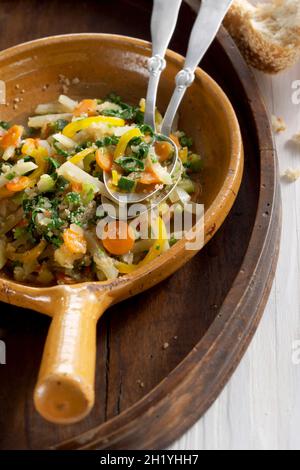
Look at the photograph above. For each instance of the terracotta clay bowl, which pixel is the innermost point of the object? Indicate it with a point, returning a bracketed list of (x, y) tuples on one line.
[(103, 63)]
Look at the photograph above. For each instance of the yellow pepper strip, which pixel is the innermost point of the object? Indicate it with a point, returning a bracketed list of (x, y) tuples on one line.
[(142, 105), (71, 129), (81, 155), (39, 155), (115, 177), (152, 254), (124, 141), (183, 154), (88, 161), (29, 146), (30, 255)]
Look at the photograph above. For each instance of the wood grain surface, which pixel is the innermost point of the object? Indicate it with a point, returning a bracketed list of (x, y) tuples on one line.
[(268, 377), (188, 311)]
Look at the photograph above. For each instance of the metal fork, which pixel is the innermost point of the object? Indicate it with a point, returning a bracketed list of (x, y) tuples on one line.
[(163, 23)]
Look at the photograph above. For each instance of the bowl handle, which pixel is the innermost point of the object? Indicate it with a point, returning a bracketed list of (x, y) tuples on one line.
[(65, 391)]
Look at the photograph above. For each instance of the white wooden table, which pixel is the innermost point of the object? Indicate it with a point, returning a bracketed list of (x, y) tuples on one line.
[(260, 406)]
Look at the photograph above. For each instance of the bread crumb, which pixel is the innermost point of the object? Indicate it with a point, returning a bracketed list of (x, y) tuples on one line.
[(166, 345), (75, 81), (17, 86), (296, 138), (175, 338), (291, 175), (140, 383), (15, 106), (278, 124)]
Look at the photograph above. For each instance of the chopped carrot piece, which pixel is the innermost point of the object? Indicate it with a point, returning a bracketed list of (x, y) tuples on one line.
[(86, 107), (75, 241), (18, 184), (118, 238), (164, 150), (12, 138), (104, 159), (175, 140), (76, 187), (149, 178)]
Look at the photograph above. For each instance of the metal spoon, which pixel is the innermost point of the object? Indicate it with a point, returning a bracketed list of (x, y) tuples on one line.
[(207, 24), (163, 23)]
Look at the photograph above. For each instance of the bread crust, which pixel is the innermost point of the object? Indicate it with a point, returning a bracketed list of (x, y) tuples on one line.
[(257, 46)]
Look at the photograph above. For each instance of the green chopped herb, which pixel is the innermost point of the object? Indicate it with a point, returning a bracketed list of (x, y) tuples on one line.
[(60, 151), (73, 198), (113, 98), (10, 176), (19, 232), (142, 151), (130, 164), (194, 163), (61, 184), (186, 141), (59, 125), (88, 193), (5, 125), (172, 241), (108, 140), (147, 130), (54, 163)]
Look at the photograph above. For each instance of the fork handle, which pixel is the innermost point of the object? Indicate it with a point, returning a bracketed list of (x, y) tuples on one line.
[(207, 24), (164, 19)]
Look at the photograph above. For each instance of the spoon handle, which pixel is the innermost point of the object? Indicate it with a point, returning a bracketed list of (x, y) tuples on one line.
[(208, 22), (164, 19)]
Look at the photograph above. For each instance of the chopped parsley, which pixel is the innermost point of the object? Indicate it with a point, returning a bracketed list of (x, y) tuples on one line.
[(108, 140), (5, 125)]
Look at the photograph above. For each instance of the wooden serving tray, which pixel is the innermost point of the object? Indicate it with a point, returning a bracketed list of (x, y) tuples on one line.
[(164, 356)]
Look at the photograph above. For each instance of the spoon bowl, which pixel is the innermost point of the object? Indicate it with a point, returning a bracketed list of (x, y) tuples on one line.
[(137, 198), (103, 63)]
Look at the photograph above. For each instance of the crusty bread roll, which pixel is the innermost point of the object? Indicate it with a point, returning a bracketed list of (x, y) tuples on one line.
[(267, 34)]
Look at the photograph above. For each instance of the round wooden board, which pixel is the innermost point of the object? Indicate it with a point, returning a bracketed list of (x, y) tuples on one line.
[(149, 394)]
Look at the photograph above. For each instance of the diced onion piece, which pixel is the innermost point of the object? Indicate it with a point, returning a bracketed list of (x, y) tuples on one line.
[(46, 184), (21, 168), (65, 141), (108, 105), (162, 173), (49, 108), (40, 121), (119, 131), (179, 194), (8, 153), (104, 263), (67, 103), (73, 173)]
